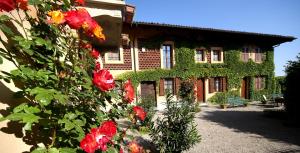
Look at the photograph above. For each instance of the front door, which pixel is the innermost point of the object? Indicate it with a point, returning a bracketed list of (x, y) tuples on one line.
[(245, 88), (148, 90), (200, 90)]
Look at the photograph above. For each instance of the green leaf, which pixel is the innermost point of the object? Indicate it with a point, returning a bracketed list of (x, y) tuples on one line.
[(111, 150), (25, 44), (20, 108), (40, 42), (70, 116), (4, 18), (44, 98), (1, 60), (53, 150), (67, 150), (29, 51), (31, 118), (35, 2), (68, 124), (32, 110), (27, 126), (39, 150), (6, 29)]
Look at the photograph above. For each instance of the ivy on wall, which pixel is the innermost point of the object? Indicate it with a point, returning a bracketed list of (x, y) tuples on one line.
[(232, 68)]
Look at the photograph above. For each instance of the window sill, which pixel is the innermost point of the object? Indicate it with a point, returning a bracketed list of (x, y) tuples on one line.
[(201, 61), (114, 62), (218, 62)]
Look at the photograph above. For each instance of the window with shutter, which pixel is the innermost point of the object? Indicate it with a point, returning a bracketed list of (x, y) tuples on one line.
[(245, 54), (259, 83), (211, 85), (169, 85), (177, 85), (224, 84), (161, 87), (258, 55)]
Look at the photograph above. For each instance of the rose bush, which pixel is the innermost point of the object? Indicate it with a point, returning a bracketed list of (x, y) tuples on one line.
[(66, 95)]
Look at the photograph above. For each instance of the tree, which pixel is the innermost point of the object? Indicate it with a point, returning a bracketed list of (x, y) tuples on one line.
[(291, 93)]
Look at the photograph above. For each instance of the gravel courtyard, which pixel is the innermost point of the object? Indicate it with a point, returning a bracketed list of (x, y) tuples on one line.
[(243, 130)]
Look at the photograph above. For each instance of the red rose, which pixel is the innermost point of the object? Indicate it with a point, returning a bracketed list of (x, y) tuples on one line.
[(74, 19), (134, 147), (94, 53), (99, 137), (103, 80), (121, 150), (97, 66), (108, 128), (89, 143), (85, 45), (139, 112), (22, 4), (129, 92), (7, 5), (79, 2)]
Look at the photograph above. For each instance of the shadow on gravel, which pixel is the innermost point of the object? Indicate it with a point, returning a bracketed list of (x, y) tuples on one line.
[(254, 122)]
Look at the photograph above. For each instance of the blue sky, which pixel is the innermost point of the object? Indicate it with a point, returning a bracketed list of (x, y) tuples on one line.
[(265, 16)]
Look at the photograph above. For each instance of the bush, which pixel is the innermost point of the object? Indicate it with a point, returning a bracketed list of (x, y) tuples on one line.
[(148, 103), (291, 93), (221, 97), (176, 131)]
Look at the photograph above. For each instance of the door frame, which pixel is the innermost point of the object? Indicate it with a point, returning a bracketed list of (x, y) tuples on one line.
[(154, 86), (203, 89), (245, 88)]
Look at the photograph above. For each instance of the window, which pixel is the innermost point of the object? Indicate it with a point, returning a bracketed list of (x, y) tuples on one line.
[(167, 56), (258, 55), (217, 84), (113, 56), (216, 55), (200, 56), (168, 85), (252, 52), (245, 54), (259, 83)]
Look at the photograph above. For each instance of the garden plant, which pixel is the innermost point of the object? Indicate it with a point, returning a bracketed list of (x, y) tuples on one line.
[(176, 131), (66, 97)]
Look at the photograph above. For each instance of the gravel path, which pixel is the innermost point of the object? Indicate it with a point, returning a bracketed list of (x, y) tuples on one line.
[(243, 130)]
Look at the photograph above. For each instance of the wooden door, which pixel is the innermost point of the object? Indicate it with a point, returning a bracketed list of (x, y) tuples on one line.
[(200, 90), (245, 88), (148, 90)]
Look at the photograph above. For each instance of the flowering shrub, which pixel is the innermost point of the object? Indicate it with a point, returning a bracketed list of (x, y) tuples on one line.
[(68, 98)]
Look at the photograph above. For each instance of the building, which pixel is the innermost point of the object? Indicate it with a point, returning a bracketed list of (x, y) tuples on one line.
[(159, 56)]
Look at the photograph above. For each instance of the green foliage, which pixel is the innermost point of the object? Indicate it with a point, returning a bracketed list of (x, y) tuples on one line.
[(232, 68), (279, 84), (186, 91), (148, 103), (291, 93), (219, 98), (176, 131)]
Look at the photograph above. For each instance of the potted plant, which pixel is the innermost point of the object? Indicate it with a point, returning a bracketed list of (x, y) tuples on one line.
[(224, 104)]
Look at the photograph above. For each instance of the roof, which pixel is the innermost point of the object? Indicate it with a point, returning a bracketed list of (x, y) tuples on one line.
[(284, 38)]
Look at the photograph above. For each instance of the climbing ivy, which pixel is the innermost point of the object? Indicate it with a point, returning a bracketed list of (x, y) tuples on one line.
[(232, 68)]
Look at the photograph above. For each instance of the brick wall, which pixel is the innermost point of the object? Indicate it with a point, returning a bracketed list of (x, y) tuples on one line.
[(127, 65), (150, 59)]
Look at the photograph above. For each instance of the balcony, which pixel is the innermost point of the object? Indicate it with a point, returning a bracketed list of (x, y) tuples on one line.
[(110, 14)]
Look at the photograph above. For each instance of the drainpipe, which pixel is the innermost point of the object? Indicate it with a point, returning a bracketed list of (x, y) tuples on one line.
[(134, 64)]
